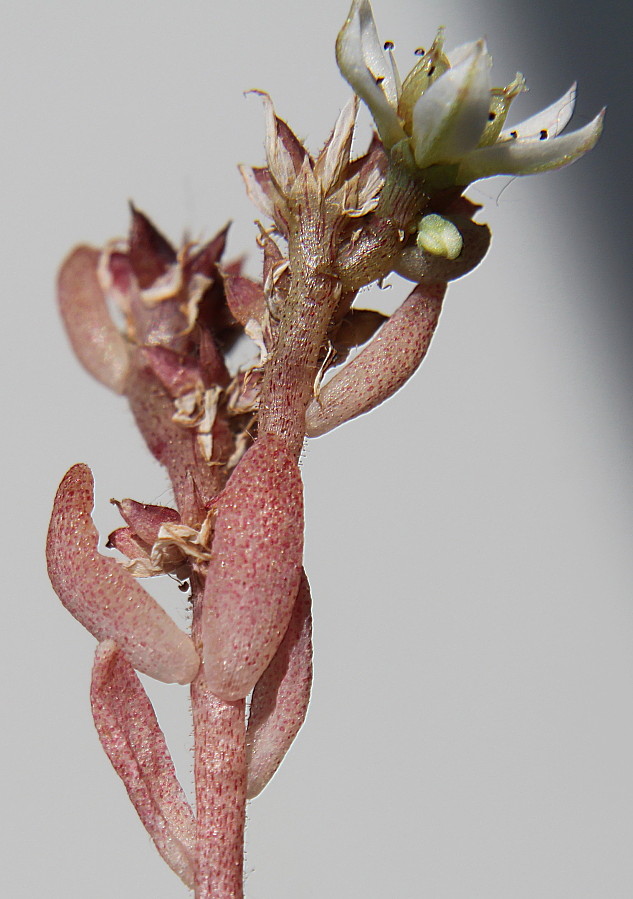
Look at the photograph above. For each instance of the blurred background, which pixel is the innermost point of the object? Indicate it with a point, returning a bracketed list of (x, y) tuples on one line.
[(468, 544)]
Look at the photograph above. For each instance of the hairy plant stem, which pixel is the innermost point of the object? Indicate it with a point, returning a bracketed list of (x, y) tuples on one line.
[(370, 254), (314, 294), (220, 781)]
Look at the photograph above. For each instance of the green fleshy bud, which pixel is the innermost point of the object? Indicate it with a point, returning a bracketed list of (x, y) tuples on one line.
[(439, 237)]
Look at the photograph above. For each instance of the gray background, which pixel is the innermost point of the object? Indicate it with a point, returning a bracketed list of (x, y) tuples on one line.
[(468, 544)]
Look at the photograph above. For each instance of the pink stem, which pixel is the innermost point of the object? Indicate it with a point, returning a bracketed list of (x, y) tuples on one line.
[(289, 375), (220, 780)]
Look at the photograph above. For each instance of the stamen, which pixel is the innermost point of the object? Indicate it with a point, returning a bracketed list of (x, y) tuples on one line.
[(419, 52), (389, 45), (431, 70), (543, 134), (380, 79), (492, 116), (514, 134)]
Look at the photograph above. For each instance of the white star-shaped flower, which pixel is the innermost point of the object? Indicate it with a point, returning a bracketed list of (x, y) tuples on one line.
[(445, 114)]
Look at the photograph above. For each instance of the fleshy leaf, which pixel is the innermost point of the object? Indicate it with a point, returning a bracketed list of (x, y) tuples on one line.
[(134, 743), (93, 335), (280, 698), (104, 597), (255, 568), (383, 366)]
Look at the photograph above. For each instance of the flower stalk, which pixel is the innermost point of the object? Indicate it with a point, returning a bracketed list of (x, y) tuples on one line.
[(230, 439)]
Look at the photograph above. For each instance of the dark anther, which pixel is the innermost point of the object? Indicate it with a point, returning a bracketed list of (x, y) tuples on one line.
[(543, 134), (419, 51), (492, 116), (431, 70), (380, 79), (514, 134), (388, 45)]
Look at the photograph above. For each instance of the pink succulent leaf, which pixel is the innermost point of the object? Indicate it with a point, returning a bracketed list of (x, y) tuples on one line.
[(134, 743), (93, 335), (280, 698), (255, 568), (383, 366), (144, 519), (245, 298), (104, 597)]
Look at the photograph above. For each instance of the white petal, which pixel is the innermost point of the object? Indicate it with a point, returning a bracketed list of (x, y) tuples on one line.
[(527, 157), (552, 119), (374, 56), (450, 116), (361, 60)]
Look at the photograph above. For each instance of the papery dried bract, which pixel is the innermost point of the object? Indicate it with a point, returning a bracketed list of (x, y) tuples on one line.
[(254, 572), (383, 366), (135, 745), (94, 337), (280, 698), (145, 519), (103, 596)]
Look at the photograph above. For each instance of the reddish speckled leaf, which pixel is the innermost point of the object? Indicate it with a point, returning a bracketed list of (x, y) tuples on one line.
[(104, 597), (93, 335), (255, 568), (383, 366), (280, 698), (135, 745)]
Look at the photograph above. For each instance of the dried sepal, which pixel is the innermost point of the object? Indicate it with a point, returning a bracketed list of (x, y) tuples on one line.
[(285, 154), (245, 298), (104, 597), (280, 698), (334, 158), (127, 542), (93, 335), (145, 519), (134, 743), (150, 253), (254, 572), (383, 366)]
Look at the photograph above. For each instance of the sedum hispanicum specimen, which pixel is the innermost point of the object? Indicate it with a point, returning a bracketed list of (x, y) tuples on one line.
[(230, 439)]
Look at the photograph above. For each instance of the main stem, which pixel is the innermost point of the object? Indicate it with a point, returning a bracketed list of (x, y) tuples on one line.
[(219, 726), (288, 382), (220, 780)]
